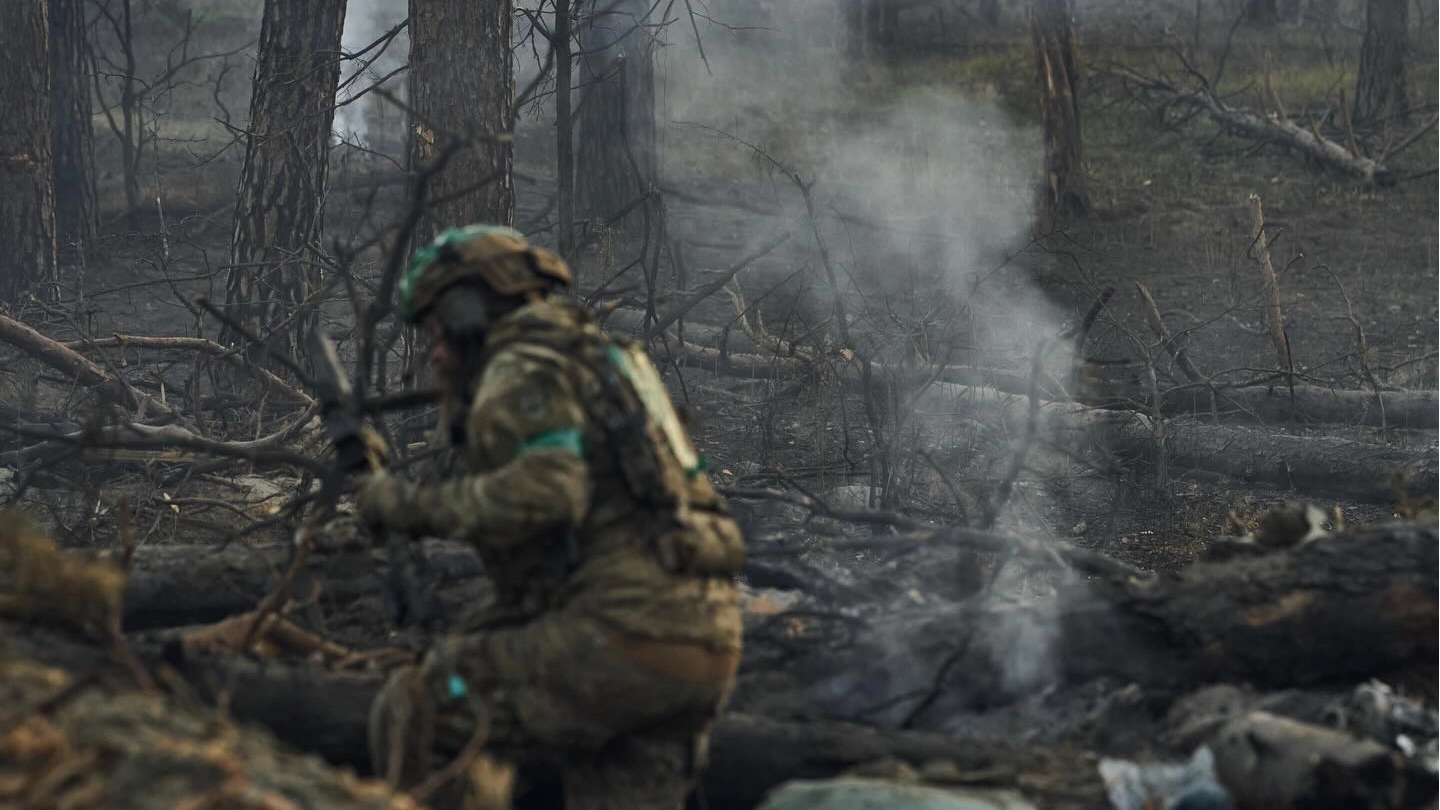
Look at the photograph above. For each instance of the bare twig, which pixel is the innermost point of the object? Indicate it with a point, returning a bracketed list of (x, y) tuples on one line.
[(1272, 285), (76, 365), (690, 301), (1157, 325)]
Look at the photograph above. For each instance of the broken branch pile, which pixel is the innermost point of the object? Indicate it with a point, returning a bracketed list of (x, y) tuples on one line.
[(68, 741)]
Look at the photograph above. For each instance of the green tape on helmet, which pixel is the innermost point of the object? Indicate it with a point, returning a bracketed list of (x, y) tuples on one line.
[(427, 256)]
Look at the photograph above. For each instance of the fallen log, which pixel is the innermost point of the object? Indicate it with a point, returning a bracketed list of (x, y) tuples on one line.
[(1305, 141), (326, 713), (1309, 464), (1271, 404), (1339, 608), (1312, 464), (1260, 404), (1333, 611), (73, 364), (178, 585), (1272, 127)]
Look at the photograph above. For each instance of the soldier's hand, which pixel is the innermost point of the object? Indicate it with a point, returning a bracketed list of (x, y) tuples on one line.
[(377, 452), (385, 501)]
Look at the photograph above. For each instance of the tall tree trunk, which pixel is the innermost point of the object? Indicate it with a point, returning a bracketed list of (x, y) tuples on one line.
[(282, 185), (72, 135), (853, 14), (27, 185), (1380, 87), (564, 127), (462, 88), (1051, 28), (616, 141), (989, 13), (1262, 12)]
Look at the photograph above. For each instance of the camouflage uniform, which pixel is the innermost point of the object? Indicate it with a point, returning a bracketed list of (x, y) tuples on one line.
[(616, 630)]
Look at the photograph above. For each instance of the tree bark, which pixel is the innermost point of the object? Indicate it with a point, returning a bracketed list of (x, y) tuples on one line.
[(27, 182), (989, 13), (1310, 465), (462, 88), (564, 127), (616, 160), (278, 216), (73, 136), (1262, 12), (1052, 31), (1380, 89), (853, 14), (170, 586)]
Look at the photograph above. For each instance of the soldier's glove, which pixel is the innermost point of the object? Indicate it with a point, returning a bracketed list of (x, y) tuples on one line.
[(386, 502), (377, 452)]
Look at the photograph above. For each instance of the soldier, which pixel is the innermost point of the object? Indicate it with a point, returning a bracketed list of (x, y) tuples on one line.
[(615, 636)]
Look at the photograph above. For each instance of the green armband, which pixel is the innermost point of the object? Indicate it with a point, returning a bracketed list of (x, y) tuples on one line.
[(568, 439)]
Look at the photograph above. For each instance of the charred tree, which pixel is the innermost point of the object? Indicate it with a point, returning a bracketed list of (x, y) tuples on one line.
[(462, 88), (1380, 92), (1262, 12), (853, 14), (1053, 33), (282, 184), (616, 160), (72, 134), (27, 184), (989, 13), (561, 38)]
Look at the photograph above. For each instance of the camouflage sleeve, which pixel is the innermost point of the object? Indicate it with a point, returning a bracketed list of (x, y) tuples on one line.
[(528, 421)]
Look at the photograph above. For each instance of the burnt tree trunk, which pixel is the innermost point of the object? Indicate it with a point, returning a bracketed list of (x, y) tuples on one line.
[(1052, 31), (616, 160), (282, 186), (1380, 92), (564, 126), (462, 88), (852, 12), (989, 13), (27, 184), (1262, 12), (1334, 611), (72, 135)]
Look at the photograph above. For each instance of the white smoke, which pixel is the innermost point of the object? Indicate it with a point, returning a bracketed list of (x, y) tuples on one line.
[(365, 22), (930, 183), (920, 194)]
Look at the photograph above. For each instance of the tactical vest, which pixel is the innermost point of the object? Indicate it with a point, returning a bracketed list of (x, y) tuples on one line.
[(638, 435)]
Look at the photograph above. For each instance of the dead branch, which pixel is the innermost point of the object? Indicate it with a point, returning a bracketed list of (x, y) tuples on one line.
[(71, 363), (1261, 127), (689, 302), (204, 346), (1271, 128), (1167, 340), (1273, 316), (267, 449)]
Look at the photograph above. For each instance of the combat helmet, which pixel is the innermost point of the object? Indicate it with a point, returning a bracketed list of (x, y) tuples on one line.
[(500, 257)]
